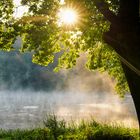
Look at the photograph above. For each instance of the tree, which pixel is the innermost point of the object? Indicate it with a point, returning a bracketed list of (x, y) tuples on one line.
[(124, 37), (111, 21)]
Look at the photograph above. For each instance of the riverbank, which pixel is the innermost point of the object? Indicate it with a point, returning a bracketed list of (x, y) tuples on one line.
[(55, 129)]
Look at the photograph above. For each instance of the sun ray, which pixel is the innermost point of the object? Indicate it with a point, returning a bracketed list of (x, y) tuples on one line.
[(67, 16)]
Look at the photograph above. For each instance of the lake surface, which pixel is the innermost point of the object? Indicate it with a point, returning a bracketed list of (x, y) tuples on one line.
[(25, 109)]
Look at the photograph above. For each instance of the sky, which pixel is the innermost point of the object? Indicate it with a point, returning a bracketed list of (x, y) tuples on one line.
[(19, 10)]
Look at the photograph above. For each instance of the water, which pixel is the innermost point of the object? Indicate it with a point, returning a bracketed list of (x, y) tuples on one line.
[(26, 109)]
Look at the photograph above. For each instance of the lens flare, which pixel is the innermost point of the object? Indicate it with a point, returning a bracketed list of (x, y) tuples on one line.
[(67, 16), (62, 2)]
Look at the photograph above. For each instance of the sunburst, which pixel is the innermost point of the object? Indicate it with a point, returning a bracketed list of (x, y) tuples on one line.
[(67, 16)]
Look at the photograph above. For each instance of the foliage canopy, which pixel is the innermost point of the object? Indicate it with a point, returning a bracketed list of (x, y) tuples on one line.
[(42, 35)]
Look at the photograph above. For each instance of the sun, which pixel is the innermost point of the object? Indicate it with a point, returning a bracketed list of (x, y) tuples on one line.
[(67, 16)]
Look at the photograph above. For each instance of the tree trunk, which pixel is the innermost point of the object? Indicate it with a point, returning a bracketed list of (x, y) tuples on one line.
[(129, 14), (125, 39), (129, 11), (134, 85)]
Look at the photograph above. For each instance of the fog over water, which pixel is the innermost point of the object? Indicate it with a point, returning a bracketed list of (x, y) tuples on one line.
[(24, 109), (29, 92)]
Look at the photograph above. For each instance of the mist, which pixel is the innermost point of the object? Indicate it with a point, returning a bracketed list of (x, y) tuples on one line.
[(29, 92)]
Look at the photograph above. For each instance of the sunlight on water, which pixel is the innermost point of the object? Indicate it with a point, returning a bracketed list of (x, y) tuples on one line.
[(30, 107), (27, 109)]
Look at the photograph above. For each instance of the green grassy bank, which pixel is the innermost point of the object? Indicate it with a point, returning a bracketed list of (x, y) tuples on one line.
[(60, 130)]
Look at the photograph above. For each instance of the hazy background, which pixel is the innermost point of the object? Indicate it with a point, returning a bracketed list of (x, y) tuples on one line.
[(28, 92)]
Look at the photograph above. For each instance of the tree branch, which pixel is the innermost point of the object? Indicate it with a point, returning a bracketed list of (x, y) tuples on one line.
[(104, 9)]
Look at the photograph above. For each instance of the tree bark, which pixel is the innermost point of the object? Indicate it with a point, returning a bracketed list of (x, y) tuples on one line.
[(129, 11), (134, 85), (125, 39), (129, 14)]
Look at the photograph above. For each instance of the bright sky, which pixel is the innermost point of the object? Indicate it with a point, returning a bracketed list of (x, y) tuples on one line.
[(62, 2), (67, 16), (19, 10)]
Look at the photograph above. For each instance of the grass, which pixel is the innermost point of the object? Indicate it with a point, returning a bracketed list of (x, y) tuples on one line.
[(60, 130)]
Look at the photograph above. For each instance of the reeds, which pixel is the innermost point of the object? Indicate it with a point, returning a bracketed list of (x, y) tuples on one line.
[(55, 129)]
